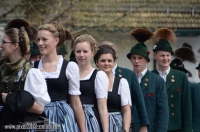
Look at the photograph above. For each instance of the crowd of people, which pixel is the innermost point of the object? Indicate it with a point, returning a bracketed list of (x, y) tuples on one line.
[(37, 82)]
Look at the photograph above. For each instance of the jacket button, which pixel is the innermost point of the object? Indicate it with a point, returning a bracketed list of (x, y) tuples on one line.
[(173, 114), (171, 96), (172, 105)]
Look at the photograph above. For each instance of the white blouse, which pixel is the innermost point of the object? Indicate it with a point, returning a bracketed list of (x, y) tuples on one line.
[(124, 92), (101, 84), (36, 85), (72, 74)]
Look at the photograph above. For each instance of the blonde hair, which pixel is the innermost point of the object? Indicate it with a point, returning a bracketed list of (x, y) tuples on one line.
[(57, 30), (86, 38)]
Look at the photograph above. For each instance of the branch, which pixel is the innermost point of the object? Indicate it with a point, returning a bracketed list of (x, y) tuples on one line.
[(60, 14), (10, 11), (100, 25)]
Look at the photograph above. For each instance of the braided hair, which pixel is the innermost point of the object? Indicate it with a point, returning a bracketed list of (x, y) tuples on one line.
[(21, 37)]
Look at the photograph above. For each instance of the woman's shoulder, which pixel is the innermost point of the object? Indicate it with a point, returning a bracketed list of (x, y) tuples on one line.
[(34, 72)]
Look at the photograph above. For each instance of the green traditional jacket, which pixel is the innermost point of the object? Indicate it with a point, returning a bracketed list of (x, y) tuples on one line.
[(179, 101), (156, 102), (195, 96), (136, 94)]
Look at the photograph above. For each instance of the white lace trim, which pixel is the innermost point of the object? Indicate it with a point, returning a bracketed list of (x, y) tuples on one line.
[(52, 74)]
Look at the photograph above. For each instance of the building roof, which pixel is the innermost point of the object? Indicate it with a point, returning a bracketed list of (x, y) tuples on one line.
[(138, 13), (111, 14)]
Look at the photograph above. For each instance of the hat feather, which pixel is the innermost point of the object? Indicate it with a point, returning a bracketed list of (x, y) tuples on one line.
[(185, 54), (141, 34), (17, 23), (164, 33)]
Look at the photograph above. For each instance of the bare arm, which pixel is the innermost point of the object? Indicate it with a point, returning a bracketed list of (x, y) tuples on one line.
[(36, 108), (103, 113), (78, 111), (143, 129), (126, 117)]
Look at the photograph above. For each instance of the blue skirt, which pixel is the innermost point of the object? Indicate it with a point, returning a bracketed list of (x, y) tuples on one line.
[(91, 122), (61, 116), (115, 122)]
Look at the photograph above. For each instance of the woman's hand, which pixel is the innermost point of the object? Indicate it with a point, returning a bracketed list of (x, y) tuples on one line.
[(4, 97), (126, 117)]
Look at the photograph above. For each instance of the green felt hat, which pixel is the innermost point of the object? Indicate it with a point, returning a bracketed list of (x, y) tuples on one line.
[(72, 57), (34, 49), (139, 49), (163, 45), (141, 35), (198, 67), (62, 50), (163, 39)]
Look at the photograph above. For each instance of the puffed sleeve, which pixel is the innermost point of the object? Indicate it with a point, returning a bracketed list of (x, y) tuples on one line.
[(101, 85), (35, 84), (124, 92), (72, 74)]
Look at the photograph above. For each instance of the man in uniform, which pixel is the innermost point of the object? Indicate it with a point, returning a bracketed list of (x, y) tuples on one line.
[(198, 68), (177, 85), (136, 93), (186, 54), (152, 85)]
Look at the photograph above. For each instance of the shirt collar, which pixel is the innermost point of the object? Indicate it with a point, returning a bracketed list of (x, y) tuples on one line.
[(166, 72), (142, 73), (114, 68)]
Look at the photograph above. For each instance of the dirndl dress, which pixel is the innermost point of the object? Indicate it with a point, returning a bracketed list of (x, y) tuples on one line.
[(119, 96), (59, 113), (90, 88)]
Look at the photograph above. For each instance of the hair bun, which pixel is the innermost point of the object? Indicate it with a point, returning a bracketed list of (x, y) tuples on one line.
[(74, 38), (68, 35), (34, 31)]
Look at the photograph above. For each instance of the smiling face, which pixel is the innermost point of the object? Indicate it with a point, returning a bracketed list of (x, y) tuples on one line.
[(106, 62), (7, 47), (163, 59), (139, 63), (83, 53), (46, 42)]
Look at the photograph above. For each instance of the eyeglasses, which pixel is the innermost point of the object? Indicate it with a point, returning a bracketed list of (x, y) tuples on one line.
[(4, 42)]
